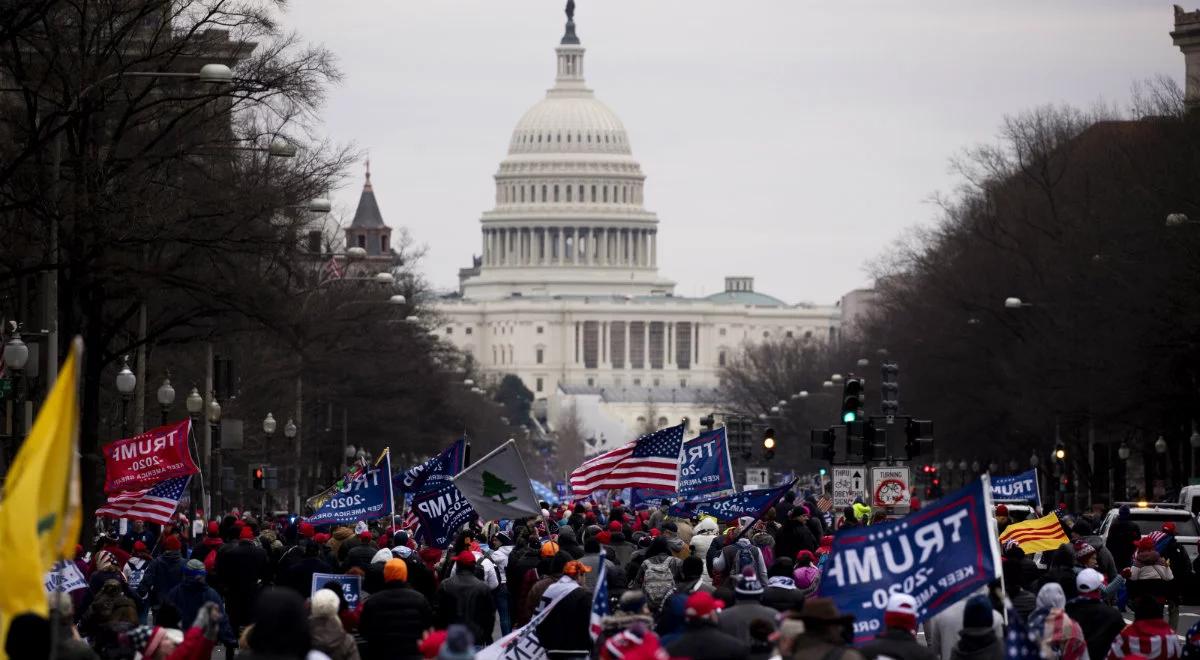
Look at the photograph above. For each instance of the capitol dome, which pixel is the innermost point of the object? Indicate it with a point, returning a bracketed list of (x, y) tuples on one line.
[(568, 216)]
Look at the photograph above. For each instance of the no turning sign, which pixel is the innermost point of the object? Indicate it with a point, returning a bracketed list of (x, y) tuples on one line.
[(890, 486)]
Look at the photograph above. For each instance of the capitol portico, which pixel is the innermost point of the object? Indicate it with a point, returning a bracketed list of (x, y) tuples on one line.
[(567, 295)]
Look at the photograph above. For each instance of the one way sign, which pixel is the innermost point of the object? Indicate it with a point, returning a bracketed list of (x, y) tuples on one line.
[(848, 483)]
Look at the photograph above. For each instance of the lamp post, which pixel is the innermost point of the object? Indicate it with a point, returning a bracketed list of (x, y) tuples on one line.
[(194, 403), (1160, 448), (166, 397), (214, 421), (16, 355), (126, 382), (1194, 440), (289, 432), (268, 431)]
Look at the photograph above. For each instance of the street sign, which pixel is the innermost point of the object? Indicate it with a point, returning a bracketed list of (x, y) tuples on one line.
[(758, 476), (891, 486), (848, 482)]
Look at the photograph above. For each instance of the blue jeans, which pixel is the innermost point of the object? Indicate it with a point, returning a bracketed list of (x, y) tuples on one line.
[(501, 598)]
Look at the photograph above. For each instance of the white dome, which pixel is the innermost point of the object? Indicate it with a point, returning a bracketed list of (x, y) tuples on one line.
[(574, 123)]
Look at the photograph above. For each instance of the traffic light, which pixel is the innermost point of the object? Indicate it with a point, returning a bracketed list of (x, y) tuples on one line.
[(259, 478), (769, 443), (823, 472), (889, 388), (707, 423), (875, 442), (1064, 484), (821, 441), (852, 400), (920, 434)]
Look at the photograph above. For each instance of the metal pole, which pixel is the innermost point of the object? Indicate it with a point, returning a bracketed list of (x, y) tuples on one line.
[(163, 417), (124, 416), (139, 395), (218, 502), (299, 435)]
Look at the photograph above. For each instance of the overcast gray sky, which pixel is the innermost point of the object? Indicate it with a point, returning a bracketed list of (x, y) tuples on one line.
[(788, 140)]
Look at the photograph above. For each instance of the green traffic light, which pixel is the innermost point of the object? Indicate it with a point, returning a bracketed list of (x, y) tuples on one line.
[(849, 416), (822, 472)]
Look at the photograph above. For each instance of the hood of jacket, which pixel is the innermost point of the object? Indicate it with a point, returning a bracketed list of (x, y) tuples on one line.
[(706, 526)]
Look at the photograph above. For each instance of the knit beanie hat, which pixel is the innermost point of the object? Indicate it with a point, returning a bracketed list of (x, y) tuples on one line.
[(194, 570), (901, 612), (171, 542), (395, 570), (978, 612), (459, 644), (748, 584)]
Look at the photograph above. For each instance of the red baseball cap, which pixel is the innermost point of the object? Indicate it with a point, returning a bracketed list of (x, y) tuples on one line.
[(466, 557), (1169, 527), (702, 603), (615, 526)]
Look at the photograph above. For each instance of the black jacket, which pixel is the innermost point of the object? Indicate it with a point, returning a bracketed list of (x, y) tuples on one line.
[(466, 599), (241, 566), (164, 573), (1100, 623), (1121, 537), (393, 621), (782, 599), (567, 627), (792, 538), (702, 640), (897, 644), (360, 556)]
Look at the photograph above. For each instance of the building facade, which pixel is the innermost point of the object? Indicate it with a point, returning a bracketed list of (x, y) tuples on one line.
[(566, 293)]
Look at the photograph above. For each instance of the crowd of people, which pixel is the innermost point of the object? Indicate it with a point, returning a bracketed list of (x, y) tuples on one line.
[(677, 587)]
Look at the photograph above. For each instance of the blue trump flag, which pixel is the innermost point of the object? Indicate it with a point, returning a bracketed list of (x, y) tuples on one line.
[(704, 467), (435, 500), (433, 473), (753, 503), (1022, 487), (938, 555), (644, 498), (365, 497)]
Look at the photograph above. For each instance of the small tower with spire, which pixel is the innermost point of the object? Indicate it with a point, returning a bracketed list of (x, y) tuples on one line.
[(367, 230)]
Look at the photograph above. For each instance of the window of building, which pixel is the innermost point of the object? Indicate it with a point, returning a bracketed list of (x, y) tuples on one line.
[(569, 189), (591, 382), (683, 383), (683, 345), (556, 193), (789, 334), (449, 331), (721, 332), (637, 382), (657, 341), (808, 334), (539, 384), (383, 244), (662, 422), (721, 359), (543, 193), (616, 344), (468, 331), (641, 420), (314, 242), (656, 382), (637, 344), (591, 343), (618, 381), (522, 193), (541, 330), (604, 190), (362, 241), (766, 334), (593, 187), (540, 355)]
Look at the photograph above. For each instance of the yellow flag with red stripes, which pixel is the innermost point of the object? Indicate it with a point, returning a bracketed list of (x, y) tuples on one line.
[(1037, 535)]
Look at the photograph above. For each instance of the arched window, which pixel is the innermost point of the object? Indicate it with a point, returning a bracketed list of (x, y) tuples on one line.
[(539, 137), (589, 138), (556, 192), (568, 138), (624, 194), (721, 358), (606, 138), (662, 422)]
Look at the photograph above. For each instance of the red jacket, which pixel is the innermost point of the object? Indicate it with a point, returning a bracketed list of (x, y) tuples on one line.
[(1152, 638), (195, 646)]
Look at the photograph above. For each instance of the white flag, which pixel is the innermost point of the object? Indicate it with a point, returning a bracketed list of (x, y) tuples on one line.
[(497, 486), (523, 643)]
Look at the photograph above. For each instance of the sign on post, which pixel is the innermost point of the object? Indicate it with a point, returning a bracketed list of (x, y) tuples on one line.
[(848, 483), (758, 476), (891, 486), (351, 586)]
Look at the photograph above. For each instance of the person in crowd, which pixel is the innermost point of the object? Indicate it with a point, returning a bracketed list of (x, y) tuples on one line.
[(1002, 519), (1100, 622), (942, 630), (209, 544), (795, 534), (704, 532), (978, 640), (1013, 571), (702, 639), (1084, 530), (163, 574), (328, 635), (566, 630), (1121, 537), (825, 632), (898, 640), (299, 576), (1149, 636), (110, 608), (747, 608), (614, 575), (466, 599), (1061, 570), (280, 628), (503, 548), (658, 574), (781, 593), (191, 595), (241, 565), (739, 555), (394, 617), (70, 646), (1181, 570), (806, 576)]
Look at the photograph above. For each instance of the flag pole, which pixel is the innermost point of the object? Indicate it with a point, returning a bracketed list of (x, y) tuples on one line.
[(387, 457)]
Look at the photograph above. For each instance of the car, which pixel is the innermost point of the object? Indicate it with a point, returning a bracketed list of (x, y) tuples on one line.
[(1149, 517), (1189, 497)]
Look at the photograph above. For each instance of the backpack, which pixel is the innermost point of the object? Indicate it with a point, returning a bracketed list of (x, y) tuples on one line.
[(658, 582), (745, 557)]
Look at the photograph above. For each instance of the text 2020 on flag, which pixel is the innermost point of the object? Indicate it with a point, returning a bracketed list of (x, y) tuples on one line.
[(651, 461)]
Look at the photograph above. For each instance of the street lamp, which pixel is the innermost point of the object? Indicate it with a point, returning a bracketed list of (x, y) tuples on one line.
[(1178, 219), (828, 383), (214, 427), (863, 362), (993, 467), (166, 397), (774, 410), (281, 148), (1060, 452), (269, 424), (1033, 460), (1160, 445), (126, 382), (837, 378), (1013, 302), (356, 253), (1013, 465), (398, 300), (385, 278), (975, 466), (1123, 451), (289, 429), (16, 355)]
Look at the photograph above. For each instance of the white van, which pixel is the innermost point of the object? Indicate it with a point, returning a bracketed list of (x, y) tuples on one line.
[(1189, 497)]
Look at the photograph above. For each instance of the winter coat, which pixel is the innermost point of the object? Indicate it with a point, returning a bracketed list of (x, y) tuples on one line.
[(792, 538), (360, 555), (702, 640), (615, 576), (567, 627), (466, 599), (393, 621), (942, 631), (1105, 562), (164, 573), (809, 647), (330, 638), (782, 595), (241, 566), (1024, 602), (207, 546), (1121, 537), (190, 596), (621, 553), (736, 620), (568, 543), (195, 646), (1151, 638), (978, 644), (726, 564), (897, 644), (1100, 623), (299, 576)]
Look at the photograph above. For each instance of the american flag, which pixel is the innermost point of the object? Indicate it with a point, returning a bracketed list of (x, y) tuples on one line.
[(600, 598), (1018, 643), (156, 504), (651, 461), (333, 270)]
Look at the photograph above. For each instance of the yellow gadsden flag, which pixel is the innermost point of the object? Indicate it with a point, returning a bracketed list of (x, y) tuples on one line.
[(1037, 535), (40, 509)]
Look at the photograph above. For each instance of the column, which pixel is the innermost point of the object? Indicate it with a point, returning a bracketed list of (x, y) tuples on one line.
[(501, 248), (604, 246), (622, 245), (668, 339), (525, 245), (591, 246), (574, 246), (562, 245), (542, 250), (654, 248), (645, 236)]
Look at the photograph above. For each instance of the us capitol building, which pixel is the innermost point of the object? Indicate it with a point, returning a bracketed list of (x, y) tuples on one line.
[(567, 293)]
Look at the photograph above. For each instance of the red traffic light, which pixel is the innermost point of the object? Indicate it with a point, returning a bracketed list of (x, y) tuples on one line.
[(936, 481), (258, 473)]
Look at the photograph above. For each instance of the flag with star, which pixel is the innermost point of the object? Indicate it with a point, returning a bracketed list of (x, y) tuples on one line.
[(600, 598), (1018, 643), (651, 461)]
